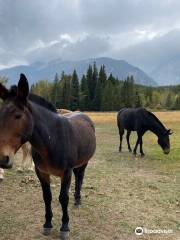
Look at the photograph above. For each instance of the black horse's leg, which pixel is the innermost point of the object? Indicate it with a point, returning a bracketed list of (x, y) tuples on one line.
[(79, 175), (64, 200), (121, 133), (47, 196), (141, 148), (128, 143), (135, 148)]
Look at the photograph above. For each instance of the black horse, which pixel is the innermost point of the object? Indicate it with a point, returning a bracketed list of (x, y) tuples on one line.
[(59, 144), (141, 120)]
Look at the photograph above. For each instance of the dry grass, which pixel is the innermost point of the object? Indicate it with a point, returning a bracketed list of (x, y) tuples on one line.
[(120, 192), (110, 117)]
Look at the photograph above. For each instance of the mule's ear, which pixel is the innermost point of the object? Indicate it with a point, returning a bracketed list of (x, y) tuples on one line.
[(169, 132), (23, 88), (3, 92)]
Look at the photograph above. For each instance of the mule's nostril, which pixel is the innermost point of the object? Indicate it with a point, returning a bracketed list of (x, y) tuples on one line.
[(5, 162), (6, 159)]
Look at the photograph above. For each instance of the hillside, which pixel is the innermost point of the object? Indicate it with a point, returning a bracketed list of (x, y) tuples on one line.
[(39, 70)]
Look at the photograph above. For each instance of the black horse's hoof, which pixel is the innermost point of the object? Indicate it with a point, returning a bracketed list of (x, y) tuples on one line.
[(64, 235), (134, 154), (130, 150), (77, 203), (46, 231), (142, 155)]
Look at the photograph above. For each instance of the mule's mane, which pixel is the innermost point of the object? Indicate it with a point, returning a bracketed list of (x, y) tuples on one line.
[(36, 99), (42, 102), (157, 120)]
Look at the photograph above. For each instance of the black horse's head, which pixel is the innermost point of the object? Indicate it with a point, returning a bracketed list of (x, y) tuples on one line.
[(163, 141), (16, 122)]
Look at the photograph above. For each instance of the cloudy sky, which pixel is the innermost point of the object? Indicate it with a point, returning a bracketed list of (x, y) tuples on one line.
[(143, 32)]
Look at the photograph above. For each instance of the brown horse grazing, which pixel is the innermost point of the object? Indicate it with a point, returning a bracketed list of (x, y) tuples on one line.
[(59, 145)]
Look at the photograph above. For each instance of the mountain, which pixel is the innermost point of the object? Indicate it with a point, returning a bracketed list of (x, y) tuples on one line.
[(38, 70), (168, 73)]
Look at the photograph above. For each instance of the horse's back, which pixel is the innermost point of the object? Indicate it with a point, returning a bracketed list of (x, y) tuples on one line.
[(130, 118)]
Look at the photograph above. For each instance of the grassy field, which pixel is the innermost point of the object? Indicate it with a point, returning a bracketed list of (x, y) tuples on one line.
[(120, 192)]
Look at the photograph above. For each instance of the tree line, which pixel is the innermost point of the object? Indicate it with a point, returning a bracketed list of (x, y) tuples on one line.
[(98, 91)]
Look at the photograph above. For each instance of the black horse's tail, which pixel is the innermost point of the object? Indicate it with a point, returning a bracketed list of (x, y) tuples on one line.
[(122, 109), (118, 116)]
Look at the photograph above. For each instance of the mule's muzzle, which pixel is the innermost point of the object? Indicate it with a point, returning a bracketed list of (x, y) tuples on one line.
[(166, 151), (5, 162)]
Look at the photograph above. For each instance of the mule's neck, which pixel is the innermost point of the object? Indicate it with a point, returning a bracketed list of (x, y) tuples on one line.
[(41, 138), (156, 126)]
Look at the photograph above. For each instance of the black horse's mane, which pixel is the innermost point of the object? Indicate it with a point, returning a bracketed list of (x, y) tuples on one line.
[(154, 116), (36, 99)]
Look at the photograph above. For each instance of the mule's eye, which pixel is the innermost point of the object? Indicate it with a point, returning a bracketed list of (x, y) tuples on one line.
[(18, 115)]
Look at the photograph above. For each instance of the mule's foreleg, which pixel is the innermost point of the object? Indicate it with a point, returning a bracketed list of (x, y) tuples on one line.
[(1, 174), (79, 175), (127, 138), (47, 196), (64, 200)]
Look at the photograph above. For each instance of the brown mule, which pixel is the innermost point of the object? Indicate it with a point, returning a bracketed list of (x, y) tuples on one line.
[(60, 144)]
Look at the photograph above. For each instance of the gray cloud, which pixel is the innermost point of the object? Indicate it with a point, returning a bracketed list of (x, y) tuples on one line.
[(134, 30), (153, 53)]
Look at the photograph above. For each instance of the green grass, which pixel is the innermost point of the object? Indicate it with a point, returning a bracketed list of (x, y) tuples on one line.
[(120, 192)]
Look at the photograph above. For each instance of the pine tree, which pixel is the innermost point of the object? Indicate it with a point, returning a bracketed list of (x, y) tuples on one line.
[(169, 102), (112, 79), (66, 91), (84, 94), (137, 102), (102, 76), (131, 91), (55, 89), (74, 99), (107, 103), (149, 96), (93, 85), (98, 96), (89, 77)]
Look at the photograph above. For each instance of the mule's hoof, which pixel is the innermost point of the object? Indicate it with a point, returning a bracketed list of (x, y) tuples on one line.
[(142, 155), (20, 170), (64, 235), (1, 179), (130, 150), (46, 231), (30, 170)]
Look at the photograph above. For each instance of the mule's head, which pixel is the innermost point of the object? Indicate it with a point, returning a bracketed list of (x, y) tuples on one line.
[(16, 123), (164, 142)]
